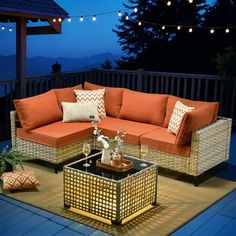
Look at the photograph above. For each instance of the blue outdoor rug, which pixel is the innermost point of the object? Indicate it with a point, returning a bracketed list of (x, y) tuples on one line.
[(18, 218), (219, 219)]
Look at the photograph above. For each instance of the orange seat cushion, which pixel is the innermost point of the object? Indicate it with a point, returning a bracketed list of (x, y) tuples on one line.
[(143, 107), (38, 110), (134, 130), (197, 104), (66, 94), (163, 141), (113, 98), (57, 134), (195, 120)]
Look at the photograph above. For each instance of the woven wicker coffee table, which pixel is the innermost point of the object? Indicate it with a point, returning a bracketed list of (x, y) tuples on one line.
[(110, 195)]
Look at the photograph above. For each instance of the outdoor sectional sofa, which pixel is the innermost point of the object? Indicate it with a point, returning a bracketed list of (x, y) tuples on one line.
[(201, 142)]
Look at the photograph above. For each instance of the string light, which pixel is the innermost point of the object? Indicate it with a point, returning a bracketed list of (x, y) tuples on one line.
[(119, 13), (190, 30), (139, 23), (227, 31), (190, 1), (127, 17), (59, 19), (3, 27), (69, 19), (163, 27), (178, 27), (94, 18), (135, 9), (10, 29), (54, 20), (168, 3), (212, 31), (81, 18)]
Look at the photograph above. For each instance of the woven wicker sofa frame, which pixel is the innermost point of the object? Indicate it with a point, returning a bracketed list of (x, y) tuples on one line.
[(209, 147), (34, 150)]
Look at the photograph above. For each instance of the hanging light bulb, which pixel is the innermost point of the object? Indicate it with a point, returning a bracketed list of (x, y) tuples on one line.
[(81, 18), (212, 31), (10, 29), (59, 19), (190, 1), (54, 20), (94, 18), (163, 27), (178, 27), (168, 3), (190, 30), (135, 9), (127, 17), (3, 27), (119, 13), (69, 19), (227, 30), (139, 23)]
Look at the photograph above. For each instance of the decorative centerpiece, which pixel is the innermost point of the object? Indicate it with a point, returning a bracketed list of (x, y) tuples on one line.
[(112, 153)]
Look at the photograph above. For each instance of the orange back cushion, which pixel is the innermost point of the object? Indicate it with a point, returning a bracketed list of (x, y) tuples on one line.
[(195, 120), (143, 107), (113, 98), (38, 110), (197, 104), (66, 94)]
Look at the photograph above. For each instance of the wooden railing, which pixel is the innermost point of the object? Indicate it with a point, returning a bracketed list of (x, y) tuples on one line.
[(190, 86)]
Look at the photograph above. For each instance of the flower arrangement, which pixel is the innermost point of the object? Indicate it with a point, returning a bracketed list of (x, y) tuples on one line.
[(108, 143)]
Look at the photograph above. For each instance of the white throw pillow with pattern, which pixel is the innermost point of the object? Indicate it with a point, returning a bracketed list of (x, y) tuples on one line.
[(177, 115), (92, 96)]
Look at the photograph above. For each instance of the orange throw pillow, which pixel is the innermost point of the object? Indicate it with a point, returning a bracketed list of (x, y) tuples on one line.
[(143, 107), (67, 94), (113, 98), (38, 110)]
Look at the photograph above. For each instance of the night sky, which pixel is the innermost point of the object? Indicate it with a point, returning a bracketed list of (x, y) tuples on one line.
[(77, 39)]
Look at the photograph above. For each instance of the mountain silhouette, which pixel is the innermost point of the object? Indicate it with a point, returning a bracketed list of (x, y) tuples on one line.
[(42, 65)]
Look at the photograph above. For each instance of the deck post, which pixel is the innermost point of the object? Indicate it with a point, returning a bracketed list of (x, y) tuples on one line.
[(20, 56)]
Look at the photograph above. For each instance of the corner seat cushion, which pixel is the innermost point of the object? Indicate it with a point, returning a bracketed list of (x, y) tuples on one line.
[(163, 141), (134, 130), (113, 98), (143, 107), (38, 110), (66, 94), (57, 134), (213, 107)]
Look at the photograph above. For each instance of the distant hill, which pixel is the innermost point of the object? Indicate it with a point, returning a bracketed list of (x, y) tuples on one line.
[(42, 65)]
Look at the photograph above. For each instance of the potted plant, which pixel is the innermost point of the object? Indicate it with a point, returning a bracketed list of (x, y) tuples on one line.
[(9, 159), (226, 66)]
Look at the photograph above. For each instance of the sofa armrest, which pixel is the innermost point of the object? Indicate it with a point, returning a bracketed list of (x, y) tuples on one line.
[(14, 119), (210, 145)]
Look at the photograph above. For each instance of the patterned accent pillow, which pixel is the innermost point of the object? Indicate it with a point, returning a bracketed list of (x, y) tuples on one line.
[(93, 96), (23, 179), (177, 115)]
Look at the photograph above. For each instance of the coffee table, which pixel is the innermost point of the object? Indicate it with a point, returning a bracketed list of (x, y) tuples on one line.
[(111, 195)]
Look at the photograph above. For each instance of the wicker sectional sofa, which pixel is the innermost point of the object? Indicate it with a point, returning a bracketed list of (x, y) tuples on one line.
[(201, 143)]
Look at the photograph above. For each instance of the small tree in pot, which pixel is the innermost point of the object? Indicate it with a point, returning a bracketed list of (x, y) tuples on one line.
[(9, 159), (226, 66)]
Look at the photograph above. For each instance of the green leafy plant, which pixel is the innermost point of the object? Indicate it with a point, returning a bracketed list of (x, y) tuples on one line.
[(226, 66), (11, 157)]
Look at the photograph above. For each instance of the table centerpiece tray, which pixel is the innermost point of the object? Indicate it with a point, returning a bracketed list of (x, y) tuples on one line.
[(125, 165)]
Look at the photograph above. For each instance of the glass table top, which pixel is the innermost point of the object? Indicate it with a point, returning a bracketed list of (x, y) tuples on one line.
[(93, 169)]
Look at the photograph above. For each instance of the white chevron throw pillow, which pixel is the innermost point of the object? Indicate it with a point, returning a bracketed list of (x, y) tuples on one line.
[(177, 115), (92, 96)]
